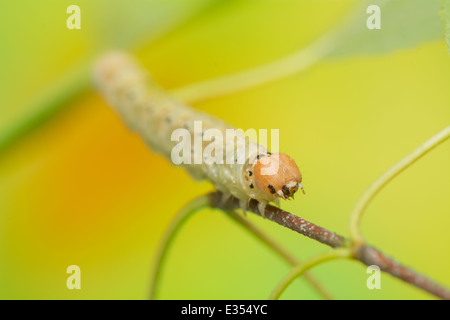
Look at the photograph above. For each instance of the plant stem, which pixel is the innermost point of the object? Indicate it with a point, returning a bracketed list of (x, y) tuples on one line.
[(383, 180), (280, 250), (334, 240), (285, 219), (264, 74), (302, 267), (177, 222), (286, 66), (371, 256)]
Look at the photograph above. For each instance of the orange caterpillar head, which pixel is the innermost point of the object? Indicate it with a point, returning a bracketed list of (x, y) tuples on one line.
[(277, 174)]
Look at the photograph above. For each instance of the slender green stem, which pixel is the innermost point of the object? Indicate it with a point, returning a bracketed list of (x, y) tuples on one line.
[(383, 180), (286, 66), (301, 268), (280, 250), (366, 254), (267, 73), (283, 67), (177, 223)]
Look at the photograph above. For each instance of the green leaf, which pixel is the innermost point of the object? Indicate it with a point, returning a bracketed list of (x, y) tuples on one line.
[(50, 65), (445, 15), (404, 24)]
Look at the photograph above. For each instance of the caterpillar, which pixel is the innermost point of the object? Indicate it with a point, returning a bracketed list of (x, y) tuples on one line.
[(155, 115)]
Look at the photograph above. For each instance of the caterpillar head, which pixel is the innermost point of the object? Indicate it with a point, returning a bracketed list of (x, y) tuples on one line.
[(277, 174)]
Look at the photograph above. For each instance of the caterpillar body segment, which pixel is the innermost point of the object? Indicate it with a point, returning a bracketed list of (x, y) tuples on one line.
[(150, 111)]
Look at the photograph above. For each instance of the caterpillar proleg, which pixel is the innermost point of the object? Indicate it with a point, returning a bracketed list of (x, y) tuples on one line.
[(155, 115)]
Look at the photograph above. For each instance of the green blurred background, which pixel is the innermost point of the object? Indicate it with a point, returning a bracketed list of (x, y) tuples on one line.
[(79, 188)]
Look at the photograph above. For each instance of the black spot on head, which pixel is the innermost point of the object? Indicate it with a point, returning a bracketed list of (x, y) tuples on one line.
[(259, 156), (286, 190), (271, 188), (250, 173), (251, 186)]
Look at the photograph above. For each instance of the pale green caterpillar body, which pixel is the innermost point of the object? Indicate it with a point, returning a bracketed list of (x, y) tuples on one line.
[(155, 115)]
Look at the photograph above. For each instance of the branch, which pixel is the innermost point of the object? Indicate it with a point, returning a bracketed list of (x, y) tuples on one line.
[(371, 256), (285, 219), (365, 254)]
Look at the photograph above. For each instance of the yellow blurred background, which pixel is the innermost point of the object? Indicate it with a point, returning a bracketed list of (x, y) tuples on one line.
[(82, 189)]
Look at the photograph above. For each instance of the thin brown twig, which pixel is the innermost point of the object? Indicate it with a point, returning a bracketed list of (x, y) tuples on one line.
[(371, 256), (364, 253), (285, 219)]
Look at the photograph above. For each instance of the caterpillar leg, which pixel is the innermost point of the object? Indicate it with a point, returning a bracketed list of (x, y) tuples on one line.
[(262, 208), (244, 206), (224, 199)]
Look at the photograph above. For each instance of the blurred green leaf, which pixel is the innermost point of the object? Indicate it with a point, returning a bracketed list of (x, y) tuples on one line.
[(446, 21), (404, 24), (50, 64)]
